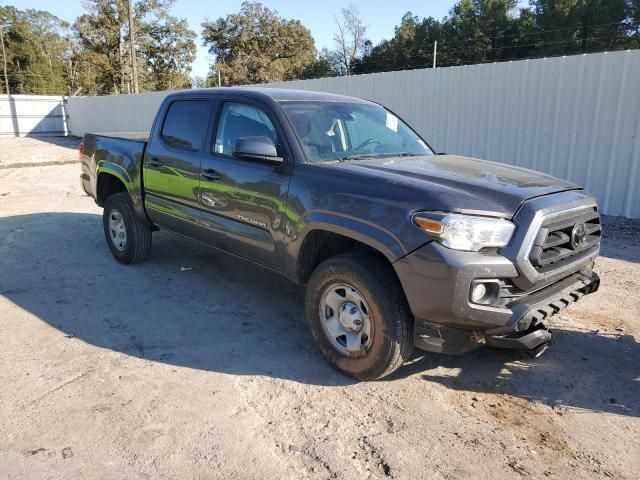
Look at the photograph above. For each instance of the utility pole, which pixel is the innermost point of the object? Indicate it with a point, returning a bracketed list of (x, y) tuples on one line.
[(132, 46), (4, 59), (435, 52), (219, 79)]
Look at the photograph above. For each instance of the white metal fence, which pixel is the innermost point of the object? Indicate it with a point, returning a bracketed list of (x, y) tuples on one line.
[(114, 113), (575, 117), (22, 115)]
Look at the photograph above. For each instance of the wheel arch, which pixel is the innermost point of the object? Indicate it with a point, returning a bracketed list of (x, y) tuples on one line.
[(108, 182), (329, 236), (113, 178)]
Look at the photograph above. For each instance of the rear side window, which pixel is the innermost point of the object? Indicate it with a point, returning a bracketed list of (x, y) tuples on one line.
[(185, 125)]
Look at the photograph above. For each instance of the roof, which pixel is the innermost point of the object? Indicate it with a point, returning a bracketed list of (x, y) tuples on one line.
[(280, 94)]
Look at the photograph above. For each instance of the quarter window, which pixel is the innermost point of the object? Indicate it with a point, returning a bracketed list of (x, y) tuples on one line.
[(185, 125), (239, 120)]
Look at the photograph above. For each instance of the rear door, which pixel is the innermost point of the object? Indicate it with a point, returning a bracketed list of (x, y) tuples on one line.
[(245, 200), (171, 166)]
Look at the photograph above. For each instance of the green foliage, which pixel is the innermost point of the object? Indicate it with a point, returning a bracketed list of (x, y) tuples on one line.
[(256, 45), (36, 47), (48, 56), (168, 49), (165, 46), (496, 30), (322, 66)]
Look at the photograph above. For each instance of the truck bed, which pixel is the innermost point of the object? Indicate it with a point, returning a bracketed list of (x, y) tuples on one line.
[(118, 152)]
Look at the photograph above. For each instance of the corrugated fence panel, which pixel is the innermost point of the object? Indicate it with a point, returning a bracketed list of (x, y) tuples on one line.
[(574, 117), (114, 113), (32, 115)]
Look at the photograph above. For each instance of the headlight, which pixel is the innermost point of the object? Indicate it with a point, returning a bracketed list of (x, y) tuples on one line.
[(465, 232)]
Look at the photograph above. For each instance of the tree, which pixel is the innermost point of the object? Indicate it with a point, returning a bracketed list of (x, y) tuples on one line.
[(101, 38), (322, 66), (256, 45), (476, 30), (165, 46), (350, 39), (198, 81), (495, 30), (581, 26), (36, 49), (410, 47), (168, 49)]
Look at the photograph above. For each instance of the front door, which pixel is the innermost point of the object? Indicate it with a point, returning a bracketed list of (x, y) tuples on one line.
[(245, 200)]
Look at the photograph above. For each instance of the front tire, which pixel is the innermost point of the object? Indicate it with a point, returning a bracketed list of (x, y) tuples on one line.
[(358, 315), (128, 237)]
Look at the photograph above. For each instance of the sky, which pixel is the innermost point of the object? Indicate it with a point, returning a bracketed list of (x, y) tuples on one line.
[(380, 16)]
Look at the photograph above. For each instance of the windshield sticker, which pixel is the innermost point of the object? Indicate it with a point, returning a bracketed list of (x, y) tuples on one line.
[(392, 122)]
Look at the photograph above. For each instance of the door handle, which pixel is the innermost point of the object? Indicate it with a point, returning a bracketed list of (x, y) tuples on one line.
[(210, 174), (155, 162)]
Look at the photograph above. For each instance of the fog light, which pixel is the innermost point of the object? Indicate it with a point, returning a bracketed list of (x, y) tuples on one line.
[(484, 292), (478, 292)]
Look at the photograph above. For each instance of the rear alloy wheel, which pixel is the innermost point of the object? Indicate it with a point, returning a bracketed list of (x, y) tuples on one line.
[(358, 315), (117, 230), (128, 237)]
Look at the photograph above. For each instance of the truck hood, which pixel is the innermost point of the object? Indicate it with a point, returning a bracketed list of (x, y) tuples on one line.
[(455, 183)]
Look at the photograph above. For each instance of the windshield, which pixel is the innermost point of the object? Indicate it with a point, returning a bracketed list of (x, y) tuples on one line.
[(330, 131)]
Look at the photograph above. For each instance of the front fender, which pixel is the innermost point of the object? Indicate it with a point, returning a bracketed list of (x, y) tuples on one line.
[(368, 233)]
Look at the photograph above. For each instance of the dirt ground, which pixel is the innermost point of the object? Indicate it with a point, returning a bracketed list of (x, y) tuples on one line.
[(152, 371), (29, 151)]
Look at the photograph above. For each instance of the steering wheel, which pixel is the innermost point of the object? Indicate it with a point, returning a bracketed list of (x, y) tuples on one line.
[(368, 141)]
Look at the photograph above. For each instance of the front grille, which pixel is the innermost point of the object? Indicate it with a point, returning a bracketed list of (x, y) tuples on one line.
[(565, 239)]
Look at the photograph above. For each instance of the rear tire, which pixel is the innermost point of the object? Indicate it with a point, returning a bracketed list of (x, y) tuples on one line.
[(366, 286), (128, 237)]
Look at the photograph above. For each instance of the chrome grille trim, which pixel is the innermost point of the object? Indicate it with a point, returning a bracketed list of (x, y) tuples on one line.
[(529, 219), (554, 246)]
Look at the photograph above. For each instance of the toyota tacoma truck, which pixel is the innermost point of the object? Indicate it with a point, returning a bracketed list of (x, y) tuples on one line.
[(398, 246)]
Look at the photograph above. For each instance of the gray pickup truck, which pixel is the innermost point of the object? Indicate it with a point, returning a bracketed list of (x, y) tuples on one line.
[(398, 246)]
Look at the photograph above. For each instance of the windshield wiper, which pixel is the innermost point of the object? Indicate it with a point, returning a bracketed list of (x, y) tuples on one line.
[(353, 157), (408, 154)]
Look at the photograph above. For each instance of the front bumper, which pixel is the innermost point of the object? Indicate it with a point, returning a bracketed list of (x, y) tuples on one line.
[(437, 281)]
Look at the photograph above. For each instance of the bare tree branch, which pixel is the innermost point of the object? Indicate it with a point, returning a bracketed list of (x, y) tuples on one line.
[(349, 38)]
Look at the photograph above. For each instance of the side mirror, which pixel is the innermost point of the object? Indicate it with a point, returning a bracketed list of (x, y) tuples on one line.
[(257, 148)]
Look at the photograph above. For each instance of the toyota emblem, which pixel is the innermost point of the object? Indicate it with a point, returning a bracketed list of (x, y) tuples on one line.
[(578, 235)]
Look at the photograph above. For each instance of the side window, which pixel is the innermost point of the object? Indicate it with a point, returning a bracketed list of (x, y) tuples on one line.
[(185, 125), (239, 120)]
